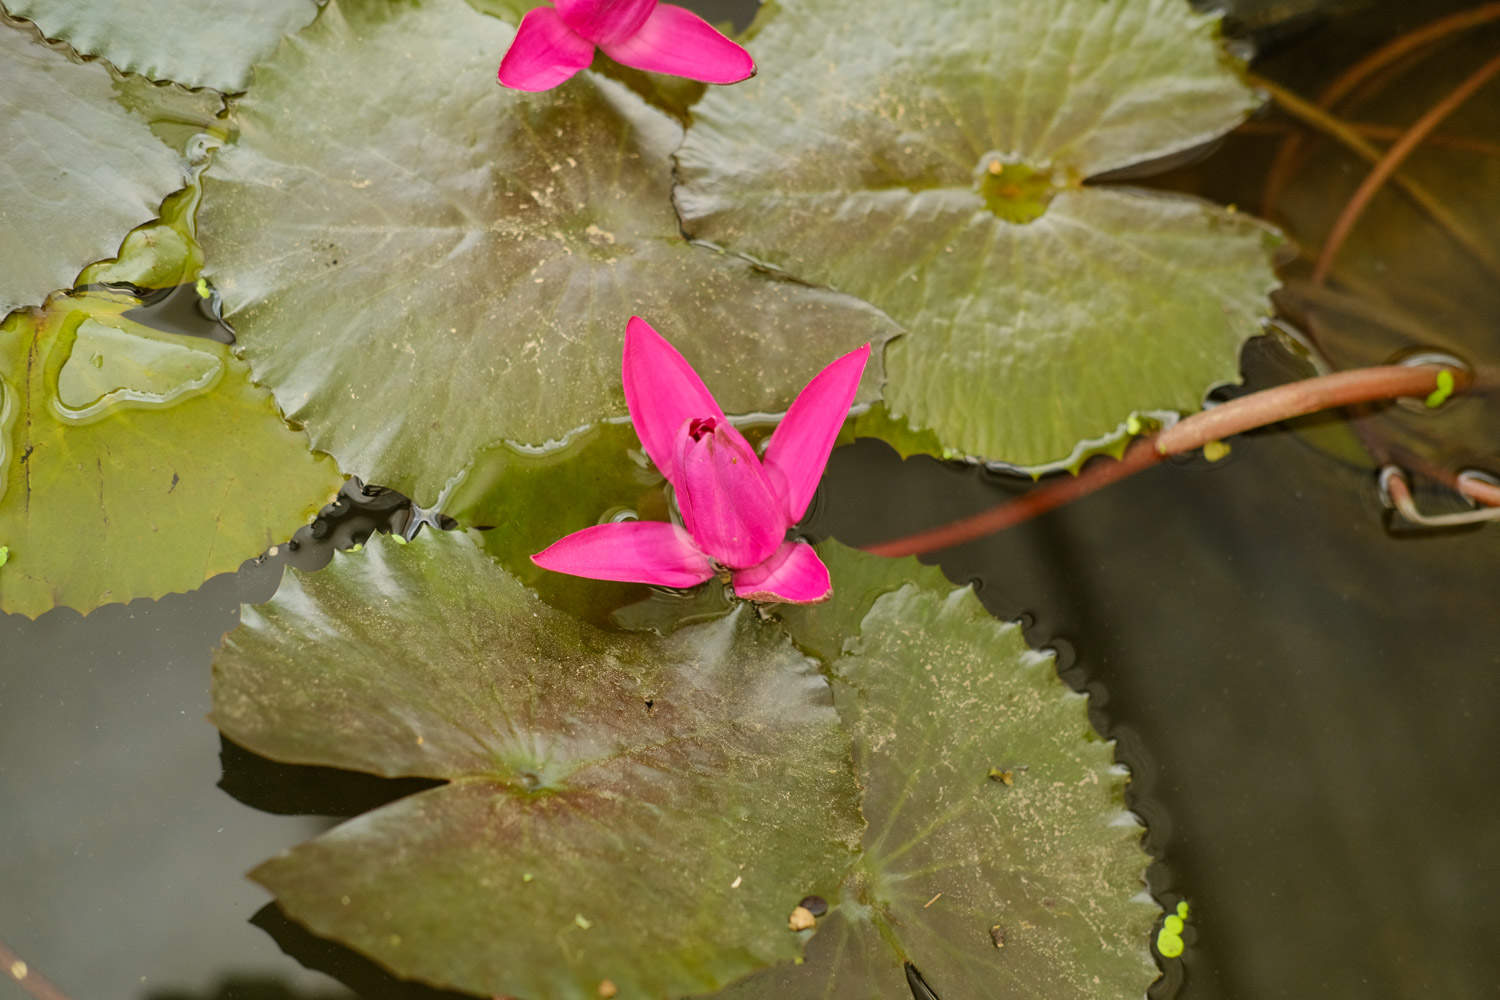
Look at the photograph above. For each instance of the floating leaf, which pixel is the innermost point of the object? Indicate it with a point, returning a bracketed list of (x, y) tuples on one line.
[(197, 43), (999, 859), (486, 247), (80, 170), (932, 163), (134, 462), (619, 807), (524, 501)]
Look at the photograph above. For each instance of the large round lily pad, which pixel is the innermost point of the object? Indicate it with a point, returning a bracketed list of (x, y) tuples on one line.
[(197, 43), (1000, 859), (930, 158), (133, 462), (619, 806), (420, 263), (81, 167)]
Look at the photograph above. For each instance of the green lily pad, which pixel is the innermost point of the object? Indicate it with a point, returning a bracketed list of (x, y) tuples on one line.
[(197, 43), (932, 162), (619, 806), (1000, 859), (82, 165), (522, 501), (486, 246), (134, 463)]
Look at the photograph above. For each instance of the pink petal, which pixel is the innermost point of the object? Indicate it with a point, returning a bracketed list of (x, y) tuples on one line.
[(605, 22), (726, 502), (794, 575), (675, 40), (632, 551), (801, 444), (663, 392), (545, 52)]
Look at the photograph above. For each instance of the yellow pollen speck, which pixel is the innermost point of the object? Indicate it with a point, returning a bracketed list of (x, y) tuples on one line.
[(1444, 389), (1215, 450)]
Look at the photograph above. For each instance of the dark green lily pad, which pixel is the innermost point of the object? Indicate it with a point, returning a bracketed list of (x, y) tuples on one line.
[(487, 248), (520, 502), (82, 164), (197, 43), (931, 160), (620, 806), (1000, 859), (133, 462)]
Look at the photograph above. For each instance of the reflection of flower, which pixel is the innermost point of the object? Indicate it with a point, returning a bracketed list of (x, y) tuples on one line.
[(735, 508), (553, 43)]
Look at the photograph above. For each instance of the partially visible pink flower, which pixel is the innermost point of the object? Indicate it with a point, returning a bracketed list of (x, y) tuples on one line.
[(553, 43), (735, 508)]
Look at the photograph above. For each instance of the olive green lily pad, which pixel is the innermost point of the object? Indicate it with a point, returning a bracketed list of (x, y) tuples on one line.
[(134, 463), (619, 806), (393, 226), (197, 43), (930, 158), (520, 501), (1000, 859), (82, 166)]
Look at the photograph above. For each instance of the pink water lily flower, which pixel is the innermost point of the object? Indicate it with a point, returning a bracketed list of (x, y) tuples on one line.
[(553, 43), (736, 508)]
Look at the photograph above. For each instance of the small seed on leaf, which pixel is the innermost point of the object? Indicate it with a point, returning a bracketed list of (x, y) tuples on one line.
[(801, 919)]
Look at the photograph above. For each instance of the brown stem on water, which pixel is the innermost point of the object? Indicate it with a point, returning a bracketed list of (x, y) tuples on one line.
[(1140, 455), (1285, 163), (1297, 399), (1479, 491), (1257, 409), (1393, 158), (1319, 119), (27, 978), (1383, 133)]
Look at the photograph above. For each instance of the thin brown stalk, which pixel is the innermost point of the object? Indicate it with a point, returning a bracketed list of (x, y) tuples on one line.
[(23, 975), (1381, 133), (1315, 117), (1393, 159), (1284, 165), (1257, 409)]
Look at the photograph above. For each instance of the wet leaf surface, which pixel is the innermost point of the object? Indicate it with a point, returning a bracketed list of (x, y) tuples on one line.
[(487, 246), (82, 165), (522, 502), (197, 43), (999, 858), (932, 162), (620, 806), (135, 462)]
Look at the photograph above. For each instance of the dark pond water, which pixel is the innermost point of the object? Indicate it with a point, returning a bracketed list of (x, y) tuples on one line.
[(1308, 697)]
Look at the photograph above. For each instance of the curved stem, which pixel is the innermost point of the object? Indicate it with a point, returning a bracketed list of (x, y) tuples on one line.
[(1315, 117), (1257, 409), (27, 978), (1140, 455), (1393, 158), (1282, 166), (1297, 399)]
